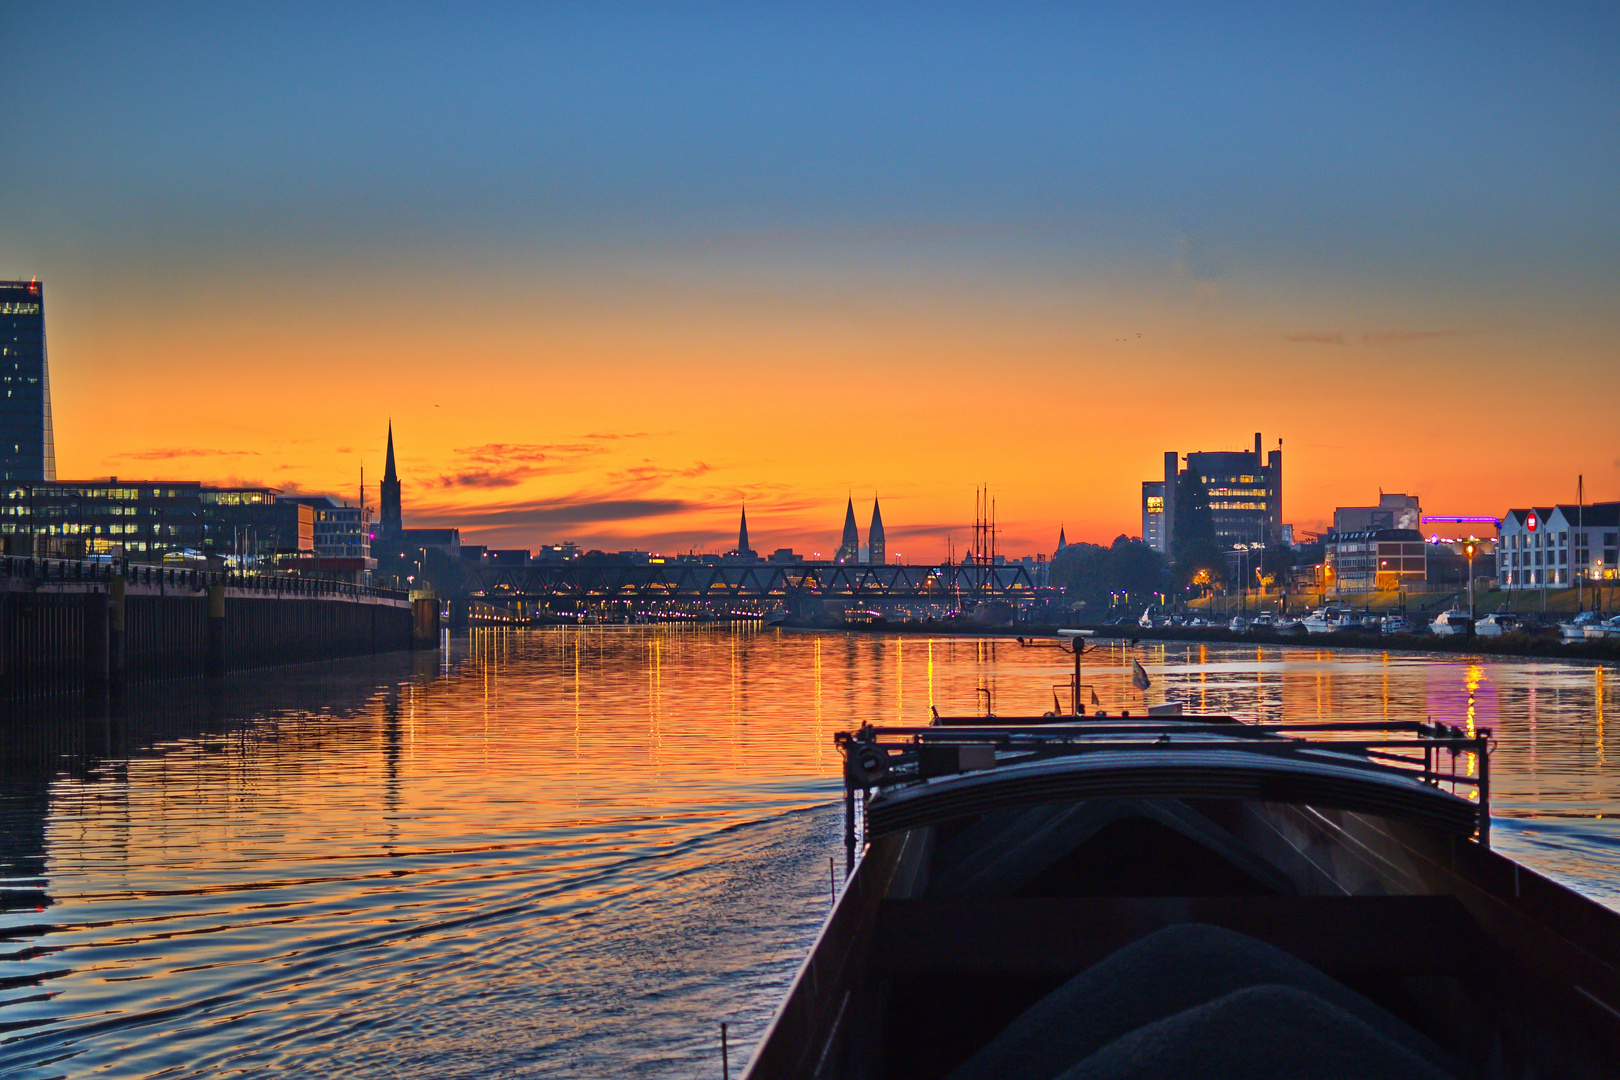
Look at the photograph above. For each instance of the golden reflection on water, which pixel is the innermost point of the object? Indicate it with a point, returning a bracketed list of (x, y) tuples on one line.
[(456, 829)]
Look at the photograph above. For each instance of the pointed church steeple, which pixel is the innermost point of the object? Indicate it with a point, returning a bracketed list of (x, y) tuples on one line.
[(389, 522), (849, 548), (389, 475), (877, 549), (742, 537), (1063, 541)]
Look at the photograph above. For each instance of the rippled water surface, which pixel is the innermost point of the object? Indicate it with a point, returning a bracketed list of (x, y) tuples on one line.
[(571, 852)]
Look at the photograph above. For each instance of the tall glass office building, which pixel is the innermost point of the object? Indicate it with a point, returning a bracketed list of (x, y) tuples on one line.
[(27, 445)]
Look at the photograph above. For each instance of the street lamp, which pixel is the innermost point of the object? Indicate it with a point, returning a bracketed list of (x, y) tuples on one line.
[(1469, 547)]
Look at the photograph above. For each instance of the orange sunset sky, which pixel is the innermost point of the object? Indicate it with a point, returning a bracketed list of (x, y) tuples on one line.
[(611, 275)]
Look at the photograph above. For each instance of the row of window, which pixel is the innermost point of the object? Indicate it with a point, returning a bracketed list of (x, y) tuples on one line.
[(1555, 539)]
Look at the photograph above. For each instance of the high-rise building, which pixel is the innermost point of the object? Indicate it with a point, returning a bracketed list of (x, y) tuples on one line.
[(27, 444), (877, 548), (1245, 495), (849, 548), (1154, 533)]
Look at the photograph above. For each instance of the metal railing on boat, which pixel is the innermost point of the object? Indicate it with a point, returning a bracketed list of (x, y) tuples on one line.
[(1213, 757)]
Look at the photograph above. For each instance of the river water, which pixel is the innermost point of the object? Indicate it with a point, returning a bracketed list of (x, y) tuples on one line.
[(573, 852)]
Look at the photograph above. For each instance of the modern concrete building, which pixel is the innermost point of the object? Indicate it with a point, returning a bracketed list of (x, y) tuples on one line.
[(1559, 546), (1245, 496), (27, 442)]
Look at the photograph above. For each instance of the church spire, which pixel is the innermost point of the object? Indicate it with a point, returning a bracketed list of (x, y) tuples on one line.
[(849, 549), (742, 536), (389, 520), (1063, 541), (876, 547), (389, 476)]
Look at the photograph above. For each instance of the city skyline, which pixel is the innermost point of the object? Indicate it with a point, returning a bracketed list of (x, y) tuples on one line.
[(629, 270)]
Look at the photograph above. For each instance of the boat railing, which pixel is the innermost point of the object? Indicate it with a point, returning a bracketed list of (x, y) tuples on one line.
[(1447, 758)]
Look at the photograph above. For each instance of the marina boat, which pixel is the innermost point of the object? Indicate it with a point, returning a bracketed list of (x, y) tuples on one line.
[(1395, 624), (1498, 623), (1263, 621), (1193, 897), (1330, 620), (1609, 628), (1575, 629), (1238, 624), (1451, 621)]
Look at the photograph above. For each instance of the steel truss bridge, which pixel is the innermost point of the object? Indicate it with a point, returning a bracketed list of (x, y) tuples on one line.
[(786, 582)]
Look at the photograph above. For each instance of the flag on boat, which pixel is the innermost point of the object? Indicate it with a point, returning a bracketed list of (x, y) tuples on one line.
[(1094, 700), (1139, 675)]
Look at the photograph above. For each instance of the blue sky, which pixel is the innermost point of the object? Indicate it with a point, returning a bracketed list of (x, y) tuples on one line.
[(1004, 177)]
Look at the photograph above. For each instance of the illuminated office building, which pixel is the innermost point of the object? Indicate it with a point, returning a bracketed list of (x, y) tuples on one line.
[(27, 446)]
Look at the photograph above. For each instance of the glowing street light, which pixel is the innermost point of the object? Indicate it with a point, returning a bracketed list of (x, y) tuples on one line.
[(1469, 547)]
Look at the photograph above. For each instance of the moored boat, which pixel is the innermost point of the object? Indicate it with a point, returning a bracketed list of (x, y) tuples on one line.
[(1190, 896), (1498, 623), (1451, 621), (1608, 628), (1575, 629)]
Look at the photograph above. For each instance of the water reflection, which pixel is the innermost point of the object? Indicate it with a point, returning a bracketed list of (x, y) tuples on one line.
[(570, 852)]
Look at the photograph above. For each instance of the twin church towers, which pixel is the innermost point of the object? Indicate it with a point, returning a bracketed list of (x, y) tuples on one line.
[(849, 548)]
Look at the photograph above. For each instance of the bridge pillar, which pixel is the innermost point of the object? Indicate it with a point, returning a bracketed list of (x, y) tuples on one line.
[(460, 612), (424, 619), (214, 660)]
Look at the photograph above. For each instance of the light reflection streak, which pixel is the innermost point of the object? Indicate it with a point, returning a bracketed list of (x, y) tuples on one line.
[(505, 857)]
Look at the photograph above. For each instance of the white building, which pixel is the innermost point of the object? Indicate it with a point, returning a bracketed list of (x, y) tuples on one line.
[(1555, 546)]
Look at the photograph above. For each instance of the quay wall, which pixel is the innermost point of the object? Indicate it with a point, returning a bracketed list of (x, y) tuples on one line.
[(99, 627)]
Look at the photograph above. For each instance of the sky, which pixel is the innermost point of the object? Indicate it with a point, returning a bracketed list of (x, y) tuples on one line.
[(613, 271)]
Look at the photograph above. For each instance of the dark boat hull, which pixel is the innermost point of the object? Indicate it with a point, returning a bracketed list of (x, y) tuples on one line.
[(1517, 974)]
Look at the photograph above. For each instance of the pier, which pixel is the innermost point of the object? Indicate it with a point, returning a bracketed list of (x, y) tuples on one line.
[(97, 625)]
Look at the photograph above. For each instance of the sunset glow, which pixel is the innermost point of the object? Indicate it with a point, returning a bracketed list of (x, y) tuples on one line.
[(628, 272)]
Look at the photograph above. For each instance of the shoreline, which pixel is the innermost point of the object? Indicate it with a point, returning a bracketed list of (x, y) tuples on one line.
[(1532, 646)]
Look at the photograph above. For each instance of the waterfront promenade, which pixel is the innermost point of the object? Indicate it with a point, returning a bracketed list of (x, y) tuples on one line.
[(67, 625)]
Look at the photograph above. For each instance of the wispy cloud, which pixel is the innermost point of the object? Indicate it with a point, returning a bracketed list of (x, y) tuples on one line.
[(1334, 338), (170, 455), (501, 465), (649, 473), (568, 511), (1403, 337)]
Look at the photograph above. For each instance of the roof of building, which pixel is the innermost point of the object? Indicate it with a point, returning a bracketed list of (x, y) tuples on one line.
[(1586, 515)]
